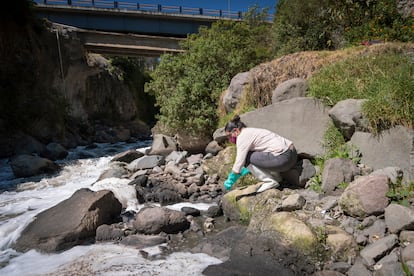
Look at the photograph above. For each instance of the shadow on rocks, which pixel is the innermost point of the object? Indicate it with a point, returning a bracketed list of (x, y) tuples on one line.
[(253, 255)]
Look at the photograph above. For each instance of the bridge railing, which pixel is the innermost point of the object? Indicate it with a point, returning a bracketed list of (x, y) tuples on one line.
[(129, 5)]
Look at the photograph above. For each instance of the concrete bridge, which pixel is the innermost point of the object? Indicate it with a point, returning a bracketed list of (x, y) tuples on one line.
[(130, 28)]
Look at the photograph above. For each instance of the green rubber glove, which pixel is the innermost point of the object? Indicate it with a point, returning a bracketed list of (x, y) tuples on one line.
[(233, 177), (244, 171)]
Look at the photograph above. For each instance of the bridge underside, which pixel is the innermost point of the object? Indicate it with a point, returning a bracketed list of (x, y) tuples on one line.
[(128, 44), (126, 50)]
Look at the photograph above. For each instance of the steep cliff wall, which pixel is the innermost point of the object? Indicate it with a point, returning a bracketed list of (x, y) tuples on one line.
[(53, 90)]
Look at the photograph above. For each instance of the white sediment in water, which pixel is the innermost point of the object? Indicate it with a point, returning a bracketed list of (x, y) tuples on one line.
[(18, 208)]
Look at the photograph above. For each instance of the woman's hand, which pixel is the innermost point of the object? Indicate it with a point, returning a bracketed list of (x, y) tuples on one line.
[(233, 177)]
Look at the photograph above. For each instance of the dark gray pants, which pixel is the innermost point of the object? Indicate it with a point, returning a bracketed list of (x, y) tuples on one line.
[(285, 164)]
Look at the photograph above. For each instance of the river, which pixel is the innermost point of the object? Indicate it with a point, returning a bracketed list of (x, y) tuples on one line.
[(22, 199)]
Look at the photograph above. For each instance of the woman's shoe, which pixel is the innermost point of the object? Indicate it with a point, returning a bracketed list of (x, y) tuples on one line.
[(267, 185)]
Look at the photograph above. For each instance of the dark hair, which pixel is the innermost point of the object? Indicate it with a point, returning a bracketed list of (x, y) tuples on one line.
[(235, 123)]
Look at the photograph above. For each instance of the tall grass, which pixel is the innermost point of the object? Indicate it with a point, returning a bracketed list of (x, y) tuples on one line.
[(386, 80)]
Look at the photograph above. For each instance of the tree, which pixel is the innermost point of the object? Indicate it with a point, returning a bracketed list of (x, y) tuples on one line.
[(187, 86)]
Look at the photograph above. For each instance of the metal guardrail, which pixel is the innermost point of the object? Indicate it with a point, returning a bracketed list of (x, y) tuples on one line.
[(136, 6)]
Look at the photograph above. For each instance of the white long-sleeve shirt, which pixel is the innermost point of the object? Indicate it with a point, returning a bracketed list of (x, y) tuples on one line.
[(258, 139)]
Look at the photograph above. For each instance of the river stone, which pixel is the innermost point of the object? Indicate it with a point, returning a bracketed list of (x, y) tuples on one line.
[(365, 196), (55, 151), (116, 169), (146, 162), (69, 223), (341, 244), (127, 156), (163, 145), (125, 193), (398, 217), (141, 241), (376, 250), (337, 171), (292, 229), (157, 219), (25, 165)]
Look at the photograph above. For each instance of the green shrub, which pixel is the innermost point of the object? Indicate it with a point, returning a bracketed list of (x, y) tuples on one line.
[(187, 86)]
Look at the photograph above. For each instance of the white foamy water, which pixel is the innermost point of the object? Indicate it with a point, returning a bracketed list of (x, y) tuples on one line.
[(20, 203)]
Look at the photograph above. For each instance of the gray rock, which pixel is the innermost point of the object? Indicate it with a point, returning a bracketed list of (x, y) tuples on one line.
[(292, 202), (142, 241), (156, 220), (390, 269), (78, 218), (116, 169), (406, 236), (359, 269), (127, 156), (328, 273), (146, 162), (337, 171), (306, 171), (213, 147), (289, 89), (25, 165), (296, 119), (177, 157), (235, 91), (163, 145), (55, 151), (365, 196), (376, 231), (407, 253), (392, 148), (347, 116), (393, 173), (108, 233), (220, 136), (398, 217), (378, 249)]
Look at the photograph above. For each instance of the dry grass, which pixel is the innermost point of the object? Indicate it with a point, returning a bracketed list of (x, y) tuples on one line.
[(265, 77)]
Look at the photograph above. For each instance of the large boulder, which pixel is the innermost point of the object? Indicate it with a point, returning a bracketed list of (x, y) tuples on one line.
[(392, 148), (337, 171), (157, 219), (301, 120), (192, 143), (365, 196), (347, 116), (235, 91), (69, 223), (163, 145), (55, 151), (25, 165), (289, 89)]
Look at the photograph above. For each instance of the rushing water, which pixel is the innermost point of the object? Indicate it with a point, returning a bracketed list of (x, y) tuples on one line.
[(22, 199)]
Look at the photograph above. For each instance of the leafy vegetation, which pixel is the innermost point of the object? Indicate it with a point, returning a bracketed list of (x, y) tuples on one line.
[(187, 86), (331, 24), (385, 80), (135, 76), (399, 193)]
